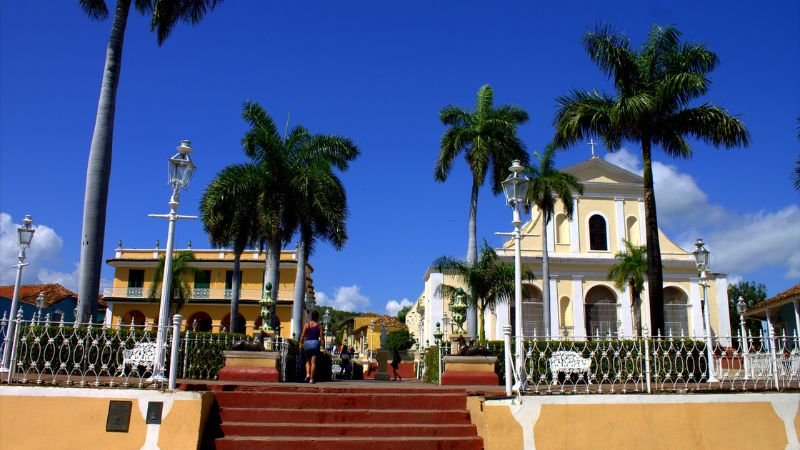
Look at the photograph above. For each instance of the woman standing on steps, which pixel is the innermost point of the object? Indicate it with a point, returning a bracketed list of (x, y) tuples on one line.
[(310, 338)]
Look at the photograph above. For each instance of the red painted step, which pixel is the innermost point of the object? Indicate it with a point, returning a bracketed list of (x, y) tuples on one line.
[(321, 416), (386, 416), (317, 443), (346, 429), (365, 400)]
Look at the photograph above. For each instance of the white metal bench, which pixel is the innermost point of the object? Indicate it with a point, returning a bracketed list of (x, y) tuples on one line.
[(568, 363), (142, 354)]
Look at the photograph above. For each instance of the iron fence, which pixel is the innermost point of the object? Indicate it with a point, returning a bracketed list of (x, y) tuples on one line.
[(47, 352), (615, 364)]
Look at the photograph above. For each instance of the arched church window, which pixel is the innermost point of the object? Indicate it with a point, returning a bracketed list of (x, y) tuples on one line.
[(598, 237)]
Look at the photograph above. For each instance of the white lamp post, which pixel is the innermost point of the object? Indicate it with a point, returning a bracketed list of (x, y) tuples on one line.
[(370, 344), (515, 187), (701, 256), (741, 307), (24, 237), (39, 306), (181, 169), (326, 320)]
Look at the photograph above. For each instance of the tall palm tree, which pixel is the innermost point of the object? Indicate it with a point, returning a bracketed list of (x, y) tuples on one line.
[(231, 218), (631, 270), (546, 186), (320, 199), (300, 192), (180, 288), (487, 136), (264, 145), (165, 15), (490, 281), (654, 91)]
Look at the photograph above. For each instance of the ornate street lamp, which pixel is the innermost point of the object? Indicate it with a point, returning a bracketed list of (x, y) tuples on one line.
[(326, 320), (701, 256), (39, 306), (180, 170), (24, 238), (741, 307), (515, 187), (437, 334), (370, 343)]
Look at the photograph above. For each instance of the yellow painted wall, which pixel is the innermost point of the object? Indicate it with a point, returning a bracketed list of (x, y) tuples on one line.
[(639, 421), (72, 418)]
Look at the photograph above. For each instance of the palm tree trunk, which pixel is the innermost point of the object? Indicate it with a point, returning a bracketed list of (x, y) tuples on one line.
[(481, 320), (99, 170), (272, 266), (546, 281), (655, 278), (298, 305), (472, 253), (634, 310), (236, 285)]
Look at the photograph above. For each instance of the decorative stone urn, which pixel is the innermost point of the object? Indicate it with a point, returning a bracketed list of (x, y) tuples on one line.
[(267, 309), (458, 308)]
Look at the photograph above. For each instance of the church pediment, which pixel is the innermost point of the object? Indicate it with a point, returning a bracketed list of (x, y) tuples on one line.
[(598, 170)]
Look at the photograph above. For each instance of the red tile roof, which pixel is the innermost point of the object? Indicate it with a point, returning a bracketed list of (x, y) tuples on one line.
[(793, 293), (53, 293)]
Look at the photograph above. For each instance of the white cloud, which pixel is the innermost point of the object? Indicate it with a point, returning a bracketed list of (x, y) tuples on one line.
[(740, 243), (759, 240), (45, 250), (345, 298), (679, 199), (393, 306)]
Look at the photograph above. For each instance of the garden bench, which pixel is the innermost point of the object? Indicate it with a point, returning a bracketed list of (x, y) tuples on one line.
[(569, 362), (142, 354)]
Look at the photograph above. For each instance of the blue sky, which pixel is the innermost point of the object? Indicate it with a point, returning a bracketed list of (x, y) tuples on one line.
[(379, 73)]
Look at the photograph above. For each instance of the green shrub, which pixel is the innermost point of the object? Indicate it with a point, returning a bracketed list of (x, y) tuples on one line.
[(431, 374), (399, 340)]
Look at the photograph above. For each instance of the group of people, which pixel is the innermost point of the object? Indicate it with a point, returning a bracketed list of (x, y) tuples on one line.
[(310, 339)]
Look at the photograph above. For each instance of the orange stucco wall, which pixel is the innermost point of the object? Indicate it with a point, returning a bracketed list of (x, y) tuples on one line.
[(73, 418)]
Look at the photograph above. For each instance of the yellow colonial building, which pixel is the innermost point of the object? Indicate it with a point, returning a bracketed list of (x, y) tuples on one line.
[(583, 302), (208, 309), (363, 332)]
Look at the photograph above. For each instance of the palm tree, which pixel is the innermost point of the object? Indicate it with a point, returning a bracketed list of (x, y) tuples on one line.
[(264, 146), (490, 281), (165, 15), (180, 287), (232, 219), (631, 269), (300, 192), (320, 200), (654, 88), (488, 139), (546, 186)]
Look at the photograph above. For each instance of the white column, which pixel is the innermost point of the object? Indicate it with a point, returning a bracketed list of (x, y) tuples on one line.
[(695, 297), (625, 316), (579, 326), (796, 317), (619, 216), (551, 236), (723, 312), (555, 309), (107, 321), (642, 232), (435, 305), (503, 316), (574, 237)]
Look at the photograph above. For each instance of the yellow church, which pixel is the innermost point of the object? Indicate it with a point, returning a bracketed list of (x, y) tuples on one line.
[(208, 309), (584, 303)]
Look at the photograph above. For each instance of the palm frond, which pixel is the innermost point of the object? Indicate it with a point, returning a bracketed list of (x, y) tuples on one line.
[(582, 114), (709, 124), (95, 9)]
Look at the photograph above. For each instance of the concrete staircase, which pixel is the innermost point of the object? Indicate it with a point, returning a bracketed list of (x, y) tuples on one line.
[(310, 417)]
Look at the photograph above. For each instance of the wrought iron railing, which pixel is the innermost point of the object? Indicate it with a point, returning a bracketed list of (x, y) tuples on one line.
[(91, 354), (615, 364)]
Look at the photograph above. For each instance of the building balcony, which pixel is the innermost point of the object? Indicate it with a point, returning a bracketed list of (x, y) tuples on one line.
[(197, 294)]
